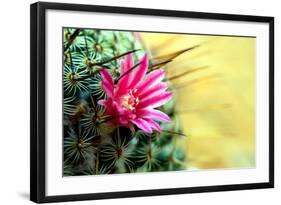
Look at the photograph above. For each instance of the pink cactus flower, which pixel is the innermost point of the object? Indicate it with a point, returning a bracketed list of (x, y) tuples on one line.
[(133, 99)]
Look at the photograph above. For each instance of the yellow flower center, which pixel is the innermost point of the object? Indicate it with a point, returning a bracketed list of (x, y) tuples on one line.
[(130, 101)]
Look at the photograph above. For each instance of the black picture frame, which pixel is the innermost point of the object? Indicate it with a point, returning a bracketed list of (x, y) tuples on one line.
[(38, 100)]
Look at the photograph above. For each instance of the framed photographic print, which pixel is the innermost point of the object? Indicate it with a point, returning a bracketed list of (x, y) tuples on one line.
[(129, 102)]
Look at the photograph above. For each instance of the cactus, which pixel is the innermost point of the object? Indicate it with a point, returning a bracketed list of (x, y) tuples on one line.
[(95, 142)]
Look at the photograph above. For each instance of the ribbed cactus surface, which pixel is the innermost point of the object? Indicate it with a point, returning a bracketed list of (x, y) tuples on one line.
[(118, 107)]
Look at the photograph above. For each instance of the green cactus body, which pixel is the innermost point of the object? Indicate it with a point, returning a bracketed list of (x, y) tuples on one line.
[(91, 146)]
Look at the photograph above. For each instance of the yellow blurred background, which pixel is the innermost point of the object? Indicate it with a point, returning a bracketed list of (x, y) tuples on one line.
[(216, 102)]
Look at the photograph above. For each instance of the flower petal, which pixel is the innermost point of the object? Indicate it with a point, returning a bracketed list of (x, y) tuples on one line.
[(140, 71), (156, 101), (152, 79), (154, 125), (126, 64), (126, 77), (107, 88), (142, 124), (107, 82), (154, 114), (153, 92), (106, 76), (102, 102)]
